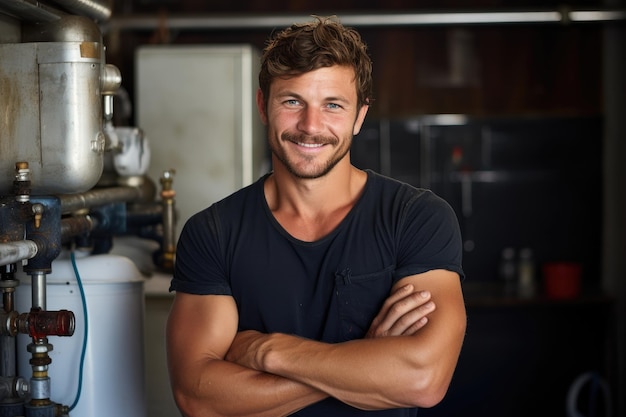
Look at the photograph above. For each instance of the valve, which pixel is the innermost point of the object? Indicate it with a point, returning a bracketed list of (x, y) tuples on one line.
[(39, 324), (38, 210)]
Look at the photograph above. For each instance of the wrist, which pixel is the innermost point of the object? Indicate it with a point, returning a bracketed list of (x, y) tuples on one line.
[(268, 353)]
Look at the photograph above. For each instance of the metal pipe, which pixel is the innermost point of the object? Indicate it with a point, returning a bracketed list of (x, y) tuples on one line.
[(30, 11), (76, 226), (38, 282), (101, 10), (11, 252), (35, 11), (96, 9), (254, 22), (98, 197), (8, 358), (169, 220)]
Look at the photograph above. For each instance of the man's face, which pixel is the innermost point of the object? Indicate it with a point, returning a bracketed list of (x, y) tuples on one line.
[(311, 119)]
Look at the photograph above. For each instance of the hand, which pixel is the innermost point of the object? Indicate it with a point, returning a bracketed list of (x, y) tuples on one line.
[(404, 312)]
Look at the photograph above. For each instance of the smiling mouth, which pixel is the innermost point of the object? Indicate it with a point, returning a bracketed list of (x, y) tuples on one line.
[(308, 142), (310, 145)]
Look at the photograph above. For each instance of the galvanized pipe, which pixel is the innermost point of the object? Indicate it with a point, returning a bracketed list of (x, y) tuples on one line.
[(38, 283), (98, 197), (75, 226), (12, 252)]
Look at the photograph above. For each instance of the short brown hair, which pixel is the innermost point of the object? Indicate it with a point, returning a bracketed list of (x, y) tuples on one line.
[(321, 43)]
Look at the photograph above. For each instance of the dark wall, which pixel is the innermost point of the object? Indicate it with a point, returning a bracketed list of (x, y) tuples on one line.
[(533, 359), (515, 183)]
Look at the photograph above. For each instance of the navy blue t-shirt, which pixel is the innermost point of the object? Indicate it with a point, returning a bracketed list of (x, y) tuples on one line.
[(327, 290)]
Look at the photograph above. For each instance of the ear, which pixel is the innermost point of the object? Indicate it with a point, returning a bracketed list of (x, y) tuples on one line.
[(260, 104), (360, 118)]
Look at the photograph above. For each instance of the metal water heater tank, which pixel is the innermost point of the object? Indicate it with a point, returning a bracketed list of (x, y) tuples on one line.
[(51, 97)]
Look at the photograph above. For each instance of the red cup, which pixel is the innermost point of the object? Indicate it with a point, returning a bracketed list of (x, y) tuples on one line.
[(562, 280)]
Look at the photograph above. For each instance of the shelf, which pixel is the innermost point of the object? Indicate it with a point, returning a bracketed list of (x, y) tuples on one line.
[(495, 294)]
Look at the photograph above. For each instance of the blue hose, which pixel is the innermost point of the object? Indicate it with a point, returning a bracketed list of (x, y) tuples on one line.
[(84, 347)]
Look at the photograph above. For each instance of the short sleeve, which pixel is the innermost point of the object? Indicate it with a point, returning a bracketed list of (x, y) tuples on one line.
[(430, 237), (199, 267)]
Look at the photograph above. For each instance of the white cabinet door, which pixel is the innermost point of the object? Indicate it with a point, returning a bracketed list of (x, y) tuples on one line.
[(197, 107)]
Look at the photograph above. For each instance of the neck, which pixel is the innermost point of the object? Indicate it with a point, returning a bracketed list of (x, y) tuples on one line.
[(310, 208), (338, 187)]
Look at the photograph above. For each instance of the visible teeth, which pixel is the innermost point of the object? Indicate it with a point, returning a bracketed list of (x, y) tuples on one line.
[(311, 145)]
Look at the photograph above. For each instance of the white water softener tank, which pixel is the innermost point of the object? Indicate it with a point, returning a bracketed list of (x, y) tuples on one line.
[(113, 369)]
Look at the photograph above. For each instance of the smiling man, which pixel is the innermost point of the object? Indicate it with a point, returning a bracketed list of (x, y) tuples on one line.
[(321, 289)]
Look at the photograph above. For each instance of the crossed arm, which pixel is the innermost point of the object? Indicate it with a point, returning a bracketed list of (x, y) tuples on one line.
[(407, 358)]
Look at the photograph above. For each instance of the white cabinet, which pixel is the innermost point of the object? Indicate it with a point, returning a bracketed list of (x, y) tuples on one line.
[(197, 107)]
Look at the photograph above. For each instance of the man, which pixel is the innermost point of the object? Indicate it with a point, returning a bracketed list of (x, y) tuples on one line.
[(312, 292)]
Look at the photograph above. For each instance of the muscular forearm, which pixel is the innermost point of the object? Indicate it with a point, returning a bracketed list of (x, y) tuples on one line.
[(204, 384), (404, 370), (221, 388), (360, 373)]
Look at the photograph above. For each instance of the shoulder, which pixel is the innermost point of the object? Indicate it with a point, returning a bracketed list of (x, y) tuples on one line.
[(402, 195), (424, 225)]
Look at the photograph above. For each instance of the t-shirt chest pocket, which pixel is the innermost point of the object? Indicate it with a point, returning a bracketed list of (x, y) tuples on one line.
[(359, 299)]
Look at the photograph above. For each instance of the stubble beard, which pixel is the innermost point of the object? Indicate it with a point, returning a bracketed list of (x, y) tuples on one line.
[(321, 169)]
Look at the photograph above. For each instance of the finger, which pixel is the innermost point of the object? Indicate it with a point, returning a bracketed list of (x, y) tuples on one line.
[(401, 315), (412, 321), (398, 295), (415, 327), (394, 297), (402, 306)]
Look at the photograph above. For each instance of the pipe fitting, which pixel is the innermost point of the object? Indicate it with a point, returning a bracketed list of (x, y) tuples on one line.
[(40, 388), (46, 233), (39, 324), (8, 323), (21, 184)]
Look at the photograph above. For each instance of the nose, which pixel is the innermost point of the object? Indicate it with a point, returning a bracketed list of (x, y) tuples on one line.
[(310, 121)]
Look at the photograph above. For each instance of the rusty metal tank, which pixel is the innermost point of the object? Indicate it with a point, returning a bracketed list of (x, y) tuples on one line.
[(51, 102)]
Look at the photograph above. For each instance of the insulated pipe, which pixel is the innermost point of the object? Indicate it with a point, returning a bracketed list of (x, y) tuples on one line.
[(11, 252), (263, 22)]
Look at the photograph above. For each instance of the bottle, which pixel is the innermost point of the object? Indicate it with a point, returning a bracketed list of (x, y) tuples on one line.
[(526, 273), (508, 270)]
